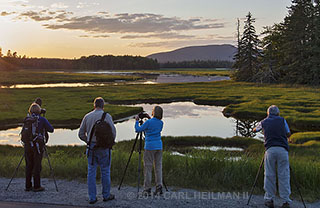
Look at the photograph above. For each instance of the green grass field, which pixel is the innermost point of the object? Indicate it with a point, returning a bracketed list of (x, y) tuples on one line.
[(200, 169), (39, 77), (299, 105)]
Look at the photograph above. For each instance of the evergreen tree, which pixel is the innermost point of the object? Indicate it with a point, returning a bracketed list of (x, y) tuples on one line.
[(298, 33), (247, 58), (315, 57)]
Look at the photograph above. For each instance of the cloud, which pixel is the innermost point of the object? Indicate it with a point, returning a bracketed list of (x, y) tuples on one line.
[(4, 13), (134, 23), (46, 15), (160, 36), (94, 36)]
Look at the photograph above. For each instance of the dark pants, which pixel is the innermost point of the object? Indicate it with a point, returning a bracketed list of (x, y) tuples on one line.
[(33, 164)]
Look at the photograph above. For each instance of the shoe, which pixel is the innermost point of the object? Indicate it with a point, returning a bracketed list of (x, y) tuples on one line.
[(269, 203), (28, 189), (285, 205), (111, 197), (146, 192), (38, 189), (93, 201), (158, 190)]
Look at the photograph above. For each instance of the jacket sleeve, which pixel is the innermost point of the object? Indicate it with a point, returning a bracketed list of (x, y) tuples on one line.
[(82, 131), (141, 128), (113, 128), (48, 126)]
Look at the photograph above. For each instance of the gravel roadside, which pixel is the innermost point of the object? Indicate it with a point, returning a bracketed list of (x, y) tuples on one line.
[(75, 193)]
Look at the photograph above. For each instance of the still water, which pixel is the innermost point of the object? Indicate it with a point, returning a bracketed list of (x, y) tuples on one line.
[(147, 79), (180, 119)]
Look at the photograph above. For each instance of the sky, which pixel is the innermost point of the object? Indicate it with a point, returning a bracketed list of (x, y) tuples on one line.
[(75, 28)]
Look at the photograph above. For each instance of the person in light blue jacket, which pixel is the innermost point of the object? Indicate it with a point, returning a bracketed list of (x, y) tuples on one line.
[(153, 149)]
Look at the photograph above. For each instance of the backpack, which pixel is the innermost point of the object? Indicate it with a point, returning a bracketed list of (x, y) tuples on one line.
[(103, 132), (28, 131)]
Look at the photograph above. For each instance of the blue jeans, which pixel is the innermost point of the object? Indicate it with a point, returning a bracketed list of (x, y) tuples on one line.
[(101, 157), (277, 160)]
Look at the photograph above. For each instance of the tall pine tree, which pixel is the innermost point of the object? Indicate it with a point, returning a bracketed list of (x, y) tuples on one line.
[(247, 59)]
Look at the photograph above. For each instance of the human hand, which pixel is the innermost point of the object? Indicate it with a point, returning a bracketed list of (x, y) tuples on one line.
[(137, 117)]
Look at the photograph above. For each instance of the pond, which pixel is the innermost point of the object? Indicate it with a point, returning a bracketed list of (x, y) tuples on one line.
[(180, 119)]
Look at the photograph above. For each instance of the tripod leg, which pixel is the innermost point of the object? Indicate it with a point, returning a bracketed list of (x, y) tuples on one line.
[(255, 181), (125, 170), (15, 172), (296, 184), (139, 167), (51, 170), (165, 185)]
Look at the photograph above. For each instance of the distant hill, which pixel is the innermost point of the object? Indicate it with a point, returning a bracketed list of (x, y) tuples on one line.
[(208, 52)]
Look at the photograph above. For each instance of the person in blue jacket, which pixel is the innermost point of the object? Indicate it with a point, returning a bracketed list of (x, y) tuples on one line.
[(34, 149), (153, 149)]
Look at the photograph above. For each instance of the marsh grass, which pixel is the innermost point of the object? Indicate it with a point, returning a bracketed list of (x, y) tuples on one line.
[(302, 137), (41, 77), (299, 105), (202, 170)]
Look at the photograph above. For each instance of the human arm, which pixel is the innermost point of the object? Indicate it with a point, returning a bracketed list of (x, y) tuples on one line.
[(48, 126), (258, 128), (113, 128), (141, 128), (287, 131), (83, 130)]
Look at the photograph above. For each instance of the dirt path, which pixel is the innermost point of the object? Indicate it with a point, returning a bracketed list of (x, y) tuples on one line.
[(75, 193)]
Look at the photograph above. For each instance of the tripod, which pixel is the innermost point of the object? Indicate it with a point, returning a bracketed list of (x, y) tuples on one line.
[(257, 176), (138, 136), (51, 170)]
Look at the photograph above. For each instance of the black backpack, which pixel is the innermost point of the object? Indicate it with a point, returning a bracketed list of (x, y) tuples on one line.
[(103, 132), (28, 131)]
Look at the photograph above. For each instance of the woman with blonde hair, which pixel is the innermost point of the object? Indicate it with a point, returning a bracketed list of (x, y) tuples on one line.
[(34, 148), (153, 149)]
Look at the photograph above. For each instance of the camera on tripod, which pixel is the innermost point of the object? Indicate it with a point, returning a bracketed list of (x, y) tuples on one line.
[(143, 115)]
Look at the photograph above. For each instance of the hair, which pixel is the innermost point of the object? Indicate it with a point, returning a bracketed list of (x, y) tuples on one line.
[(34, 108), (273, 110), (38, 101), (98, 102), (157, 112)]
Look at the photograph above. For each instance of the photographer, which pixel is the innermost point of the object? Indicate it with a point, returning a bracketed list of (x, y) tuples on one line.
[(34, 149), (153, 149), (276, 131)]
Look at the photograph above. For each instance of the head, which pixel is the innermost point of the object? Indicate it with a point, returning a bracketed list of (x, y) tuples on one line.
[(38, 101), (34, 109), (157, 112), (98, 103), (273, 110)]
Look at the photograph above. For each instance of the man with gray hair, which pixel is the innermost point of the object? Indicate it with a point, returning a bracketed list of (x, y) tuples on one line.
[(276, 132), (97, 156)]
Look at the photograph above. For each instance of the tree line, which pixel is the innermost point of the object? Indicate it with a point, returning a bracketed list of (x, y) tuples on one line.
[(94, 62), (287, 52), (198, 64)]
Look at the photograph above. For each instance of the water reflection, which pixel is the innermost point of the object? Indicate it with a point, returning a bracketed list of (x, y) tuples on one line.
[(148, 79), (245, 128), (180, 119)]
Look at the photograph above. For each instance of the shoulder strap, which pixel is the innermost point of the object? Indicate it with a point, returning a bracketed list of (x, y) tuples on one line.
[(103, 116), (91, 134)]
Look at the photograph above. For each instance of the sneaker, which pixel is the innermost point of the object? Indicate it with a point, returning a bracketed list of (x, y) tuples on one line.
[(269, 203), (111, 197), (285, 205), (38, 189), (146, 192), (28, 189), (93, 201), (158, 190)]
